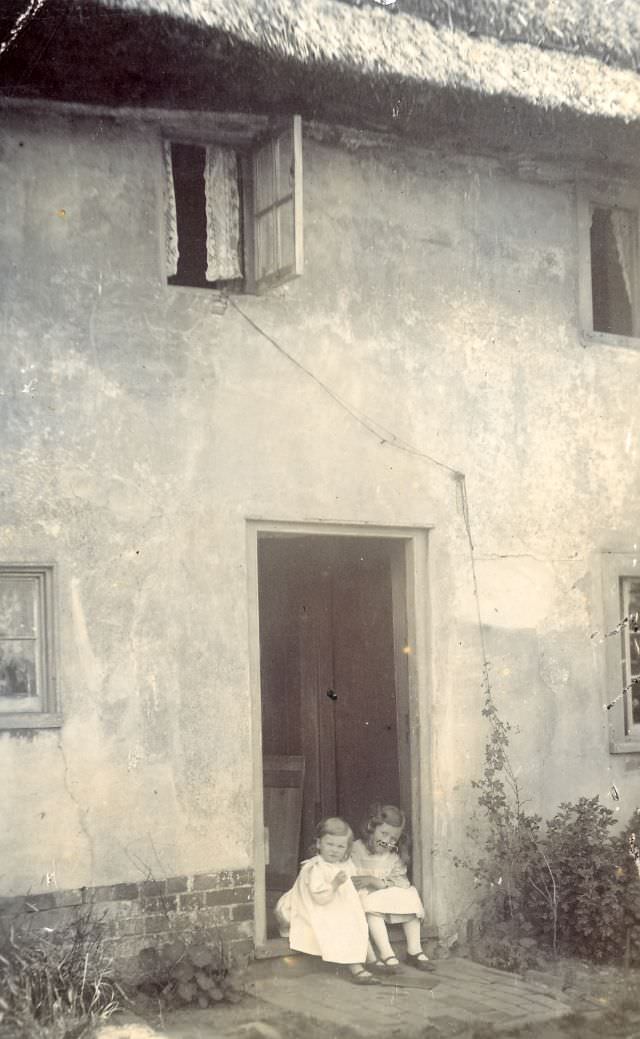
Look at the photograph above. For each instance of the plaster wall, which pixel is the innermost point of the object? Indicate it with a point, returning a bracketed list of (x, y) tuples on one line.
[(141, 428)]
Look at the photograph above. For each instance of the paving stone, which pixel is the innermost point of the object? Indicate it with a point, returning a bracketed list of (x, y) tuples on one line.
[(459, 991)]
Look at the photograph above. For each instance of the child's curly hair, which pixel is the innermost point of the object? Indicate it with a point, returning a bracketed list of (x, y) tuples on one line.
[(336, 827), (379, 813)]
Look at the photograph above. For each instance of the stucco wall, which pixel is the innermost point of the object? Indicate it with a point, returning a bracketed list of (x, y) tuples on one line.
[(141, 428)]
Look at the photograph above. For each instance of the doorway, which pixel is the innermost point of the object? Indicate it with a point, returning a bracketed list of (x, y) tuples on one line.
[(334, 688)]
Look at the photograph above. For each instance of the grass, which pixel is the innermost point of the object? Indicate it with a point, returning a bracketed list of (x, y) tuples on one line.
[(55, 982)]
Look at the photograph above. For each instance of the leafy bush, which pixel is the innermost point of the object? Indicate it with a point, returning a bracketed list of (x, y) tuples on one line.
[(196, 975), (568, 887), (59, 979), (585, 865)]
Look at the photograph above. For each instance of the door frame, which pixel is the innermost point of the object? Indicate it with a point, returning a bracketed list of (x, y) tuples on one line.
[(418, 696)]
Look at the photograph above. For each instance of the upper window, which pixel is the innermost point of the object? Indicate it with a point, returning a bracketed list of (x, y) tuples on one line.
[(609, 283), (622, 636), (234, 217), (27, 689)]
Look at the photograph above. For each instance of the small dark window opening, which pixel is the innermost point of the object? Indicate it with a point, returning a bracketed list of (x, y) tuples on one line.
[(612, 305), (188, 162)]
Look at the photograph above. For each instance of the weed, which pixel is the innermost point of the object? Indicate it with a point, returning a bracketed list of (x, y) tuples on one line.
[(201, 974), (55, 981)]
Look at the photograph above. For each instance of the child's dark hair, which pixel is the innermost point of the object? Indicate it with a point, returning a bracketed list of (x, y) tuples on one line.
[(379, 813), (336, 827)]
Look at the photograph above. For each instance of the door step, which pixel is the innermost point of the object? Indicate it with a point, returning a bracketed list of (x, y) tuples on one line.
[(291, 965)]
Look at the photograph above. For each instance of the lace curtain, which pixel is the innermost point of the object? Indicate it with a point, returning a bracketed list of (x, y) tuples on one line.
[(223, 214), (171, 223)]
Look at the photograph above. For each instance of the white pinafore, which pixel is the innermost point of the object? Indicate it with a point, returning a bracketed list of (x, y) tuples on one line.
[(321, 920), (397, 903)]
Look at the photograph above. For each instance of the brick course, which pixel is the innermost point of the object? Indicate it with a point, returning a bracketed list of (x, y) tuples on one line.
[(217, 905)]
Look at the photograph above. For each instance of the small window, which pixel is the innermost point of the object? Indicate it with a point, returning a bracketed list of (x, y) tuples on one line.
[(27, 691), (621, 636), (614, 243), (610, 297), (234, 218)]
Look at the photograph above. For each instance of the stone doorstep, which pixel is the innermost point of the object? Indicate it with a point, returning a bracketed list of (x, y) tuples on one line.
[(545, 978), (463, 994), (526, 1021), (349, 1007), (493, 989)]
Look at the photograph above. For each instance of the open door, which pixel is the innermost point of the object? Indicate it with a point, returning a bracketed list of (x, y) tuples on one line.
[(333, 669)]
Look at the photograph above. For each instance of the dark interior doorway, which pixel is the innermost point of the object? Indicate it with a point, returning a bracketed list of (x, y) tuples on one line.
[(335, 722)]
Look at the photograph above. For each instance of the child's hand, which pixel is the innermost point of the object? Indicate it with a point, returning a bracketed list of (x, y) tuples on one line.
[(368, 882), (340, 878), (361, 883)]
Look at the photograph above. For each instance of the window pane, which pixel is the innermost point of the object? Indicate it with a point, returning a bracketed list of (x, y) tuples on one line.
[(265, 244), (18, 607), (286, 228), (264, 175), (285, 165), (633, 670), (18, 676), (614, 238)]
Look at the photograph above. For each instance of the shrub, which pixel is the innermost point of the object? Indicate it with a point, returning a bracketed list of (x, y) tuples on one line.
[(567, 887), (59, 978), (201, 974), (584, 862)]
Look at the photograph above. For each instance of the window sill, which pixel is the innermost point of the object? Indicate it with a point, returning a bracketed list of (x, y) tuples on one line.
[(11, 722), (630, 745), (606, 339), (217, 297)]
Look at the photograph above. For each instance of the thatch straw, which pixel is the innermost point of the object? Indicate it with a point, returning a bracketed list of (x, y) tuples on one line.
[(370, 42), (607, 29)]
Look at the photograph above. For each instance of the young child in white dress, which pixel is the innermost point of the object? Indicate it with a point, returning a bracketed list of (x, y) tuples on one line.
[(387, 895), (322, 914)]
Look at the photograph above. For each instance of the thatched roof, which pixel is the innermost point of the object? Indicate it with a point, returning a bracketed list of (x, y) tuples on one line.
[(374, 42), (527, 74), (606, 29)]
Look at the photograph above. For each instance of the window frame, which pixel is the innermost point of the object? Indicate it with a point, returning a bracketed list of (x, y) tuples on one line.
[(612, 196), (246, 152), (253, 284), (623, 737), (49, 717)]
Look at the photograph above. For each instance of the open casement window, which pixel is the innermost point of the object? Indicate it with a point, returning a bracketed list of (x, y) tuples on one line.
[(609, 226), (622, 637), (273, 209), (27, 679), (234, 214)]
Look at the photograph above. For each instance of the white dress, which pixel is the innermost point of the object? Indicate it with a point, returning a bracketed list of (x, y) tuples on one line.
[(322, 921), (397, 903)]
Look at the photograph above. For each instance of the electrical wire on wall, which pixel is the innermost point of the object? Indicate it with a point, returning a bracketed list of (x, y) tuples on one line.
[(386, 437)]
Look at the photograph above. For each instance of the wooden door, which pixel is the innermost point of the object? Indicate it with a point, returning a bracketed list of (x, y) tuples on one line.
[(283, 791), (364, 679), (349, 716), (317, 714), (333, 675)]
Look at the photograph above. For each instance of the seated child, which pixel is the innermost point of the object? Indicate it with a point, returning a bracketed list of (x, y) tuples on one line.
[(387, 895), (322, 913)]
